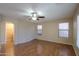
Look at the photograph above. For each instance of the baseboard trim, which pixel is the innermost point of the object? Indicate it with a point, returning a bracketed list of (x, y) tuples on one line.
[(54, 42), (24, 42), (75, 51)]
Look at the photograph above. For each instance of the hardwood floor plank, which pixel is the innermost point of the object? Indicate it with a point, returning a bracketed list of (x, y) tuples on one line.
[(45, 48)]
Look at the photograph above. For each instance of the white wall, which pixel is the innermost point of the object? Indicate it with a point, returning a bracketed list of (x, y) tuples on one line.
[(75, 32), (1, 30), (24, 31), (50, 32)]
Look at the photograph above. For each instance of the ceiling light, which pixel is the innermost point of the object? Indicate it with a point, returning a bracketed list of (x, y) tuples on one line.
[(34, 18), (34, 15)]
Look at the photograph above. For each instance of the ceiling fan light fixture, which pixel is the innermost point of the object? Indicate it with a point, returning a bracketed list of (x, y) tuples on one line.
[(34, 15), (34, 18)]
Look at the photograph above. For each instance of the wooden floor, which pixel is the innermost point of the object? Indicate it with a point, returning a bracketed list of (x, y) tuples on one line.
[(43, 48)]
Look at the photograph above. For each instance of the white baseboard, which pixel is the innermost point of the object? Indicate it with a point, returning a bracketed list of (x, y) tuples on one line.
[(75, 51), (57, 42)]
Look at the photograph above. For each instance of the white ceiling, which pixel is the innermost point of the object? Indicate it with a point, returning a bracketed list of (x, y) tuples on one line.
[(50, 10)]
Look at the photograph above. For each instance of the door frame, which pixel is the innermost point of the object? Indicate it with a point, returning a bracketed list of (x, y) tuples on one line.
[(7, 39)]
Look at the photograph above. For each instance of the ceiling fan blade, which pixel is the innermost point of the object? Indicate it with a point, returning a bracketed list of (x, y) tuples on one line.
[(37, 18), (41, 16)]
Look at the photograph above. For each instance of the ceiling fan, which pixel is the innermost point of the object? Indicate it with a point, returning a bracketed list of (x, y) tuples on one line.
[(35, 17)]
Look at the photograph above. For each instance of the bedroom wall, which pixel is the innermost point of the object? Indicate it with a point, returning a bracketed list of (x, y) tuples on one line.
[(0, 31), (75, 32), (24, 31), (50, 32)]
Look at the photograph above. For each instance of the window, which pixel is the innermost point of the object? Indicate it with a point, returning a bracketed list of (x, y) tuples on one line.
[(39, 29), (63, 29)]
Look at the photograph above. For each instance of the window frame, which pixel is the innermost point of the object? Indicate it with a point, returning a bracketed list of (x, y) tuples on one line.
[(40, 29), (63, 30)]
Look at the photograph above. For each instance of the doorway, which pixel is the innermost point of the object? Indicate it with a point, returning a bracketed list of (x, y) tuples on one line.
[(9, 36)]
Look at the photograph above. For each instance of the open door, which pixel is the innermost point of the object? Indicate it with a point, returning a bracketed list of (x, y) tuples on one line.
[(9, 36)]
